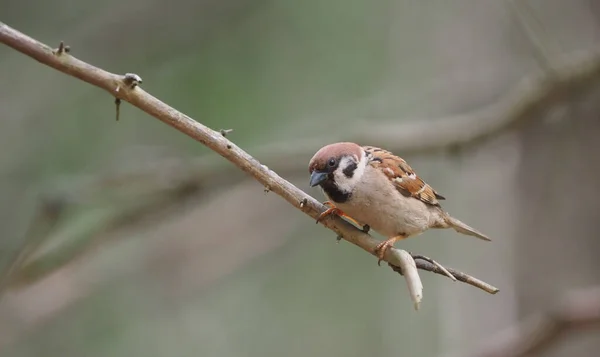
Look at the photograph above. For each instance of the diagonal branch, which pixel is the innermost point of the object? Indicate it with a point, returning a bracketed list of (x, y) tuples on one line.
[(125, 89)]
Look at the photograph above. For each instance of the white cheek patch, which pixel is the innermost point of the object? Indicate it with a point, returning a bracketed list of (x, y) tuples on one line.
[(347, 184)]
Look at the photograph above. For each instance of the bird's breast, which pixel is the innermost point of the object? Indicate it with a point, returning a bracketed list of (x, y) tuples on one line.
[(378, 203)]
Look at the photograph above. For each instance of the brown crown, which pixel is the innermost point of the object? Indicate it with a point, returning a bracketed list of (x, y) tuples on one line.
[(336, 150)]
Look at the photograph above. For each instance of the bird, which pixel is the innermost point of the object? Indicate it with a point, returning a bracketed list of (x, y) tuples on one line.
[(375, 189)]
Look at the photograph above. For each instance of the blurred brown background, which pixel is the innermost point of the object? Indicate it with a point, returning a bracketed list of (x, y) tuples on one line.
[(141, 242)]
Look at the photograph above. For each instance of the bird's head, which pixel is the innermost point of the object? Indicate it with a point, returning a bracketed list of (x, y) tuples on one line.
[(340, 165)]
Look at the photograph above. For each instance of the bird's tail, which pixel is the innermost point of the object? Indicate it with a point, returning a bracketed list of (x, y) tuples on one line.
[(461, 227)]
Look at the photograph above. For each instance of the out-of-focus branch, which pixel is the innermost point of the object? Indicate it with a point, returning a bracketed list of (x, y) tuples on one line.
[(565, 78), (43, 224), (126, 88), (554, 84), (30, 266), (578, 311), (527, 20)]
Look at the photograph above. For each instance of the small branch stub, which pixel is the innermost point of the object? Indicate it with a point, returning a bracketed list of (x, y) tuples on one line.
[(132, 80), (303, 202), (224, 132)]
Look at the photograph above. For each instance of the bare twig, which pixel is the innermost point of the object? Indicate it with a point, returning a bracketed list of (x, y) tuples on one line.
[(460, 276), (440, 266), (121, 88), (578, 311)]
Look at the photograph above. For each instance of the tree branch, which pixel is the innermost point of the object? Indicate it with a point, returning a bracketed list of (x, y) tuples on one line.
[(122, 88)]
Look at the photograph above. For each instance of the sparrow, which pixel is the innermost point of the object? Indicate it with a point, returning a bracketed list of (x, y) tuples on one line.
[(375, 189)]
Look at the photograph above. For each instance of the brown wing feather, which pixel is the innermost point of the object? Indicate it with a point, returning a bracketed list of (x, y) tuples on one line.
[(402, 176)]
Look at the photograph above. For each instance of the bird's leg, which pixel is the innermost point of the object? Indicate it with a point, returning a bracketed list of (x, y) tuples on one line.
[(382, 247), (334, 210)]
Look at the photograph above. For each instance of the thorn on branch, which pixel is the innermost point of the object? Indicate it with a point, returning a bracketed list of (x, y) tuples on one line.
[(224, 132), (338, 238), (267, 189), (62, 49), (117, 107), (131, 80)]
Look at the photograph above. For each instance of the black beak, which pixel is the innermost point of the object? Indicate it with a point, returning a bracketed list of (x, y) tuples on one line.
[(317, 177)]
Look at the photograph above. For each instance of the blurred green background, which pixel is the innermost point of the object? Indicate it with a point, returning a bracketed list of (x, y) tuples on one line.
[(140, 241)]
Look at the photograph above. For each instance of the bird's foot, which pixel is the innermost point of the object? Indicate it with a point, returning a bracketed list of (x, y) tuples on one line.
[(382, 247), (380, 250), (336, 211)]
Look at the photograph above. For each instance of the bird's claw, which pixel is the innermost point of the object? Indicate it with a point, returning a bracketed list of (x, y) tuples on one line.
[(329, 211), (338, 212), (380, 250)]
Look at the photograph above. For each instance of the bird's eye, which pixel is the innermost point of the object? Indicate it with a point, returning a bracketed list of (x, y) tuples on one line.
[(331, 162)]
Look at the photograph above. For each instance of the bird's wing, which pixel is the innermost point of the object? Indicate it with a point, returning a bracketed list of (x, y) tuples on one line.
[(402, 175)]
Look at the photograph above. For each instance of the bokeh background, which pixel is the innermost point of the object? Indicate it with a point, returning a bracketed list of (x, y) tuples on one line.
[(133, 240)]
